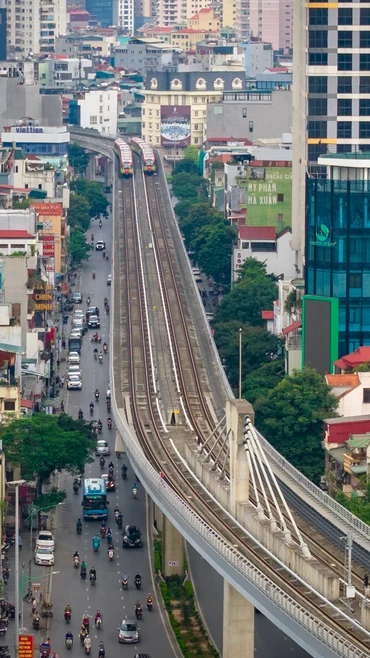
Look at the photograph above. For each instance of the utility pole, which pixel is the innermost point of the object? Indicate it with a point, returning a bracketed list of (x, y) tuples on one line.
[(240, 362), (17, 484)]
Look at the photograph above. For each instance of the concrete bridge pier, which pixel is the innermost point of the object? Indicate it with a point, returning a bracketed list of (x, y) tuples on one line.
[(238, 623), (108, 172), (91, 167), (173, 550)]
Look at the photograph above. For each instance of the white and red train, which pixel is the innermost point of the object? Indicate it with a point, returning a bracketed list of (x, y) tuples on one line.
[(146, 152), (125, 157)]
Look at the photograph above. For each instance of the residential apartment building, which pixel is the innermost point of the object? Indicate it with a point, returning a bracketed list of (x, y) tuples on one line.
[(123, 15), (96, 109), (174, 12), (143, 55), (33, 25), (175, 107), (241, 24), (272, 22), (65, 72)]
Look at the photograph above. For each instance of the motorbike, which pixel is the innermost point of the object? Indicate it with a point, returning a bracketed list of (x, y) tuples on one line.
[(110, 541), (111, 555), (75, 488), (119, 521), (87, 647), (100, 427), (80, 415), (95, 356), (98, 622), (91, 411), (109, 405), (138, 613), (111, 471), (36, 623), (105, 348), (96, 544), (138, 583), (124, 582), (83, 574), (102, 462), (69, 643), (79, 529), (100, 358), (109, 424), (149, 605), (124, 475), (107, 309), (92, 579), (134, 493), (95, 339), (103, 532), (100, 223), (97, 396), (76, 561), (67, 616)]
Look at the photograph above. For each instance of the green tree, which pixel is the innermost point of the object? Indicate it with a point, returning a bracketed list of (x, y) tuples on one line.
[(93, 193), (290, 416), (213, 247), (78, 212), (246, 304), (42, 443), (183, 182), (360, 506), (192, 153), (185, 192), (182, 208), (258, 347), (200, 215), (186, 165), (79, 249), (263, 379), (78, 157)]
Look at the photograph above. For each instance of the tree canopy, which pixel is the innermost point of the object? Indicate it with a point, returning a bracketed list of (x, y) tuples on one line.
[(192, 153), (43, 443), (253, 293), (290, 417), (258, 347), (258, 382), (78, 247), (79, 212), (94, 195), (78, 157)]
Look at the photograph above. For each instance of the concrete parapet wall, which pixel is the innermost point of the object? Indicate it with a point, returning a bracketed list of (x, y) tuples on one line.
[(218, 488)]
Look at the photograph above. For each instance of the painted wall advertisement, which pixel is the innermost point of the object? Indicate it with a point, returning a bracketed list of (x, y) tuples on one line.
[(268, 196), (175, 125)]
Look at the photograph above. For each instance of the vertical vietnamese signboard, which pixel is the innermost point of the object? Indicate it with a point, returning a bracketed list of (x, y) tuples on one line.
[(25, 644)]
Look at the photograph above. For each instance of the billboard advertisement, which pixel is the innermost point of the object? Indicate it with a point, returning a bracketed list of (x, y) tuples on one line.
[(266, 193), (45, 209), (320, 333), (175, 125)]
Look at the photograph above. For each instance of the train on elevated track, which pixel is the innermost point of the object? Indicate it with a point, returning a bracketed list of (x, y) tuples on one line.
[(146, 153), (124, 153)]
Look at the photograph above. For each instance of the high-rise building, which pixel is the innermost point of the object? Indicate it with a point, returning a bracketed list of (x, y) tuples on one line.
[(242, 9), (33, 25), (2, 34), (331, 91), (123, 15), (272, 21), (173, 12)]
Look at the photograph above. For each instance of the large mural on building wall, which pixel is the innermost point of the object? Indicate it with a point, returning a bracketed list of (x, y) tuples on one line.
[(175, 125), (268, 196)]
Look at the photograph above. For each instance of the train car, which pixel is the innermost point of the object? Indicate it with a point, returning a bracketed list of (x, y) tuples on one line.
[(124, 153), (146, 153)]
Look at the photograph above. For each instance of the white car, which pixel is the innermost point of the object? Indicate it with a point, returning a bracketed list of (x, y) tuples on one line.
[(44, 556), (109, 279), (74, 370), (74, 357), (78, 323), (78, 314), (74, 383), (45, 539)]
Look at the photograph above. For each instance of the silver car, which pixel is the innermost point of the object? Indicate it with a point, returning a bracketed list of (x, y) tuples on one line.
[(74, 370), (74, 383), (102, 448), (73, 357), (128, 632)]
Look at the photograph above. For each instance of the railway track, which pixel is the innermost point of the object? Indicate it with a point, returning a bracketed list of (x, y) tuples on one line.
[(143, 393)]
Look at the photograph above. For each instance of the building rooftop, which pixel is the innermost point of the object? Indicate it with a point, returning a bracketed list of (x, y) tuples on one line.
[(292, 327), (359, 441), (352, 155), (356, 358), (16, 234), (347, 419), (339, 381), (257, 232), (267, 315)]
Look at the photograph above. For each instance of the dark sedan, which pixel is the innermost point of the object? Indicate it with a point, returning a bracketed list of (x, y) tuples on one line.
[(131, 537)]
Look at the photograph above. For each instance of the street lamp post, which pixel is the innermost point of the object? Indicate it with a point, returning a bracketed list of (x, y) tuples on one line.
[(240, 362), (17, 484)]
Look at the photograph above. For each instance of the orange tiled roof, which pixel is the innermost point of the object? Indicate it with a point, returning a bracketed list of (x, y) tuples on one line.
[(340, 381)]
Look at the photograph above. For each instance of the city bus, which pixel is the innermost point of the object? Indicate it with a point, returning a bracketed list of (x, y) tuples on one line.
[(94, 503)]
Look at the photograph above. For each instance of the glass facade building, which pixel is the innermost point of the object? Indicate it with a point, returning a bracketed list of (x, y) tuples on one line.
[(337, 260)]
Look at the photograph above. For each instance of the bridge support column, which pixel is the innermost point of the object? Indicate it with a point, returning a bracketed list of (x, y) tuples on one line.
[(91, 167), (236, 410), (158, 517), (238, 625), (108, 172), (173, 550)]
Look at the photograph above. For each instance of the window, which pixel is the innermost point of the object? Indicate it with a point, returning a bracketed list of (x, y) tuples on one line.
[(345, 16), (317, 129), (365, 16), (317, 107), (251, 128), (17, 246), (318, 39), (355, 280), (245, 245), (365, 85), (244, 112), (345, 62), (364, 131), (365, 62), (318, 85), (280, 197), (315, 150), (9, 405), (344, 39), (196, 127), (318, 59), (366, 395), (365, 39), (344, 129), (318, 16), (364, 107), (345, 85), (344, 107), (280, 217), (93, 120)]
